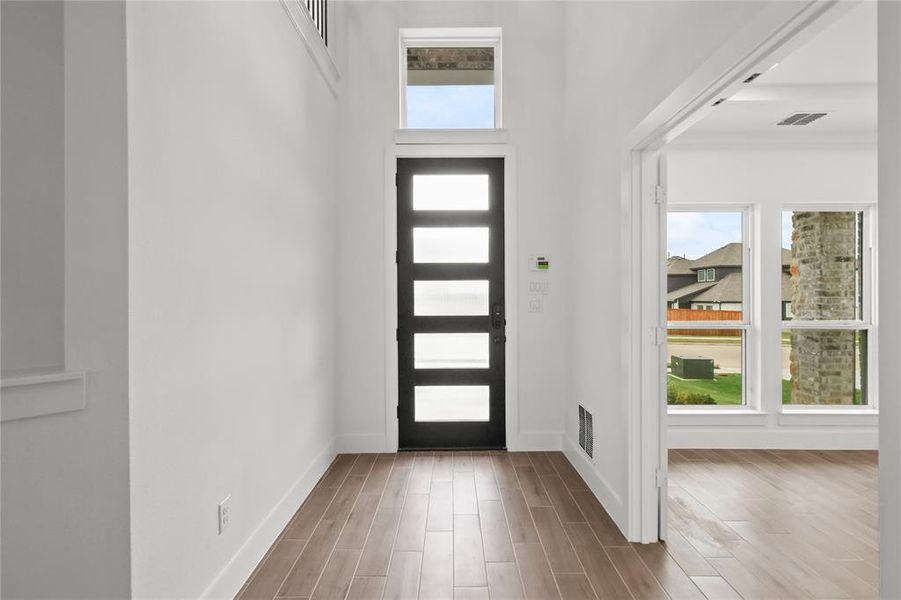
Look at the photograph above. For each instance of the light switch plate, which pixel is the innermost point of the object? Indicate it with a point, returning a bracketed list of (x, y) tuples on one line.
[(538, 287)]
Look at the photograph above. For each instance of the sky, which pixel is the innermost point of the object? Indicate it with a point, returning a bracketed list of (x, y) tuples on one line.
[(694, 234), (450, 106)]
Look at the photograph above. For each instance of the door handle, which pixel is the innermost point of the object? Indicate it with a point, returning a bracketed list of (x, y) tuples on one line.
[(497, 316)]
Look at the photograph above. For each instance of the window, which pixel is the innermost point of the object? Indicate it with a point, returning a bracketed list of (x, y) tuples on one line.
[(826, 308), (708, 329), (450, 78)]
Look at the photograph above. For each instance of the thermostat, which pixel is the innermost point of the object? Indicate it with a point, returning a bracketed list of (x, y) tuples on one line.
[(539, 263)]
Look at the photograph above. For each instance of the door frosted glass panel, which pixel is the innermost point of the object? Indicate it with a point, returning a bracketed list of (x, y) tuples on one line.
[(450, 350), (450, 298), (450, 244), (450, 192), (451, 403)]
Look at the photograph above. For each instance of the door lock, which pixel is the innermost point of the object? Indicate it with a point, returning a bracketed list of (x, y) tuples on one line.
[(497, 316)]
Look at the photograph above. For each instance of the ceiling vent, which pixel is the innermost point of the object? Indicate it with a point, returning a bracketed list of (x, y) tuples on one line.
[(751, 78), (802, 118)]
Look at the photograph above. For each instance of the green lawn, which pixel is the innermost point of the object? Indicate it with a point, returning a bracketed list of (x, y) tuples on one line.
[(726, 389)]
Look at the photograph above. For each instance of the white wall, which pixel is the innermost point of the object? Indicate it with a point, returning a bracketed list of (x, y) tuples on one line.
[(533, 89), (889, 292), (65, 511), (768, 178), (622, 59), (232, 167), (33, 263)]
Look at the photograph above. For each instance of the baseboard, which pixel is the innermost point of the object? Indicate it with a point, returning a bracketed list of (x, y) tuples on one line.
[(375, 442), (608, 498), (228, 582), (536, 441), (830, 438), (358, 443)]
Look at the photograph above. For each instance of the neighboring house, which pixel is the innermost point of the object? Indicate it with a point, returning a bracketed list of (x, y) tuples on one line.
[(713, 281)]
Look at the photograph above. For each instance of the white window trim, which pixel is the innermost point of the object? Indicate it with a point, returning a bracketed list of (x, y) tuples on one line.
[(451, 37), (802, 414), (752, 400)]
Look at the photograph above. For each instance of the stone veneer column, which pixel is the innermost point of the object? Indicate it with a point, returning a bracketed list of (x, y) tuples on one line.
[(824, 273)]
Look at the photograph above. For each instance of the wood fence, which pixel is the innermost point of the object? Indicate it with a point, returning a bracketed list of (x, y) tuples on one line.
[(687, 314)]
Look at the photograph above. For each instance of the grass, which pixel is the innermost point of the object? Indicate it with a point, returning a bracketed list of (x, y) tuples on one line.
[(726, 389)]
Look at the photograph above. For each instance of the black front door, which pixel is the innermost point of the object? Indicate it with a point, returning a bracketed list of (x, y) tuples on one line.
[(450, 309)]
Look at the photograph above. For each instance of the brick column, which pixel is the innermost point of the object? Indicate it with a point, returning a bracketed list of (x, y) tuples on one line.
[(823, 272)]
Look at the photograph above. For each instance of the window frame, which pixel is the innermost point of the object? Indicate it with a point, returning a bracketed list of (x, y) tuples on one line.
[(750, 389), (867, 320), (451, 37)]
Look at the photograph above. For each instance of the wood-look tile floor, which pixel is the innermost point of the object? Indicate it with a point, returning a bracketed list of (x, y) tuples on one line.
[(461, 525)]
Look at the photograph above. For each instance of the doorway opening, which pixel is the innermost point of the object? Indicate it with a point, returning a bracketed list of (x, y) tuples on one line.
[(734, 384)]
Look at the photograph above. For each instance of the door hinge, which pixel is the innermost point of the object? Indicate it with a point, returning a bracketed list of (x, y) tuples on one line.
[(659, 194), (659, 336), (398, 411), (397, 334), (396, 179), (661, 478), (397, 257)]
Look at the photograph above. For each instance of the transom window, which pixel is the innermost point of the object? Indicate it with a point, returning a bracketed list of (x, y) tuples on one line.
[(450, 78)]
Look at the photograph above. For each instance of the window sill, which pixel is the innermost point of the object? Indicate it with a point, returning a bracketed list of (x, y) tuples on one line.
[(319, 52), (688, 417), (450, 136), (29, 396)]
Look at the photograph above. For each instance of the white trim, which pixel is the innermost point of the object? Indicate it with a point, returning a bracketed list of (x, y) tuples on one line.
[(798, 141), (603, 491), (826, 417), (303, 23), (774, 32), (360, 443), (539, 441), (30, 396), (451, 37), (715, 417), (236, 571), (511, 263), (845, 438), (450, 136)]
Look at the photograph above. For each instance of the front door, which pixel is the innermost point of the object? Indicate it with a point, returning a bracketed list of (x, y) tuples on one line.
[(450, 309)]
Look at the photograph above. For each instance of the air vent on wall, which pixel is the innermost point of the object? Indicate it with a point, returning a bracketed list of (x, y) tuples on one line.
[(586, 431), (802, 118)]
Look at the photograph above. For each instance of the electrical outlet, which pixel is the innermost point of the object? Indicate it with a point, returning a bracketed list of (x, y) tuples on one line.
[(225, 517), (536, 304)]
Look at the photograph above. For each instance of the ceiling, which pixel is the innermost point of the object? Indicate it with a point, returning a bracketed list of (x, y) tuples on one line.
[(834, 72)]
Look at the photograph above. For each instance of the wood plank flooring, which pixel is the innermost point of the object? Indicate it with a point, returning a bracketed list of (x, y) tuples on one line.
[(750, 524)]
